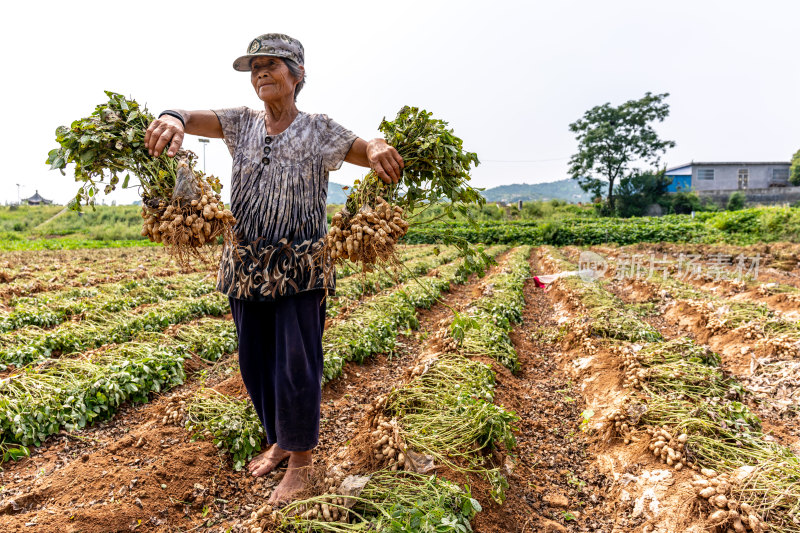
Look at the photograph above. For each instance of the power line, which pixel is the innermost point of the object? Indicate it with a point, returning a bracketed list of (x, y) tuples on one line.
[(522, 160)]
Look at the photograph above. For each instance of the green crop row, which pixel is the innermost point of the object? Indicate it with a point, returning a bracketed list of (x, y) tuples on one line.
[(104, 291), (406, 253), (209, 338), (356, 286), (745, 226), (73, 393), (30, 344), (493, 315), (49, 309), (569, 232), (373, 326), (93, 305), (69, 244)]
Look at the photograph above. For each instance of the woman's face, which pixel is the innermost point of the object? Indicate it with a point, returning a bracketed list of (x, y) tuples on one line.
[(272, 79)]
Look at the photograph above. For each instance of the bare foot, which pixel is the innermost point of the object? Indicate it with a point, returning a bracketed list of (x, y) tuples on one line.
[(267, 461), (295, 479)]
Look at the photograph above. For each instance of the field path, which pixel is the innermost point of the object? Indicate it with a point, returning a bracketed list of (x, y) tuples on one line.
[(555, 484), (52, 218)]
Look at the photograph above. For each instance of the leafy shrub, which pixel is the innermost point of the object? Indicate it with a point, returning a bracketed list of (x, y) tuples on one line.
[(532, 210), (743, 221), (550, 231), (9, 237), (492, 212), (684, 202), (736, 201), (707, 204)]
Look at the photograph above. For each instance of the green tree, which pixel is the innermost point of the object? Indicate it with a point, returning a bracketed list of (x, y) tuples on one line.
[(640, 190), (532, 210), (612, 139), (794, 170)]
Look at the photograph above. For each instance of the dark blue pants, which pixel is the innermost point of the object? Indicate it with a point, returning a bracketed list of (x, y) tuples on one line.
[(280, 357)]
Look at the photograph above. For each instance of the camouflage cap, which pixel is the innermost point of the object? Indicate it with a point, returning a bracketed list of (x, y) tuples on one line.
[(271, 45)]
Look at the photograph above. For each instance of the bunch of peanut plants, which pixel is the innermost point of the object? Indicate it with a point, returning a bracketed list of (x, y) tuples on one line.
[(448, 412), (354, 287), (231, 423), (391, 502)]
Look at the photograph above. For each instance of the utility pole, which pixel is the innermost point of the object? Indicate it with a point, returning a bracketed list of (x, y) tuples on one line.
[(205, 142), (19, 201)]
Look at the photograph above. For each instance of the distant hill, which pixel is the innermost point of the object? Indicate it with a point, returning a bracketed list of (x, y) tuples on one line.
[(563, 190), (566, 189), (335, 193)]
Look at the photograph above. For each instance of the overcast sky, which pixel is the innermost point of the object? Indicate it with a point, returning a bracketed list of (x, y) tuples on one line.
[(508, 76)]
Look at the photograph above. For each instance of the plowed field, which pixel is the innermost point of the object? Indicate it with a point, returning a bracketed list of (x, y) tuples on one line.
[(626, 399)]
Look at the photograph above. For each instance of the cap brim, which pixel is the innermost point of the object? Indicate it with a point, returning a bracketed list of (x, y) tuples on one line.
[(242, 64)]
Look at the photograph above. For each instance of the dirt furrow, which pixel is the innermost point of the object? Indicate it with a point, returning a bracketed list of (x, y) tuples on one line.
[(641, 494), (739, 355), (555, 484)]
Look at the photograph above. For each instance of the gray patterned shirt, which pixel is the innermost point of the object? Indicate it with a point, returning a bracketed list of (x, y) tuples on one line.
[(279, 189)]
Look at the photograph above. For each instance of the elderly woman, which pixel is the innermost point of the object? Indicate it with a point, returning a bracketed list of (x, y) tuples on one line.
[(272, 275)]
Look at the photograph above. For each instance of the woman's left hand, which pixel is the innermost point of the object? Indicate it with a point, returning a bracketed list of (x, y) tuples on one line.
[(384, 160)]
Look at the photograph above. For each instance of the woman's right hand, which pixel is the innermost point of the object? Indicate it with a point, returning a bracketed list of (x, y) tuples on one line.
[(164, 131)]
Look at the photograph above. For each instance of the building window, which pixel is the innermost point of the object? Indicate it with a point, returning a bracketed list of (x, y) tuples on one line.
[(705, 173), (780, 174), (744, 177)]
